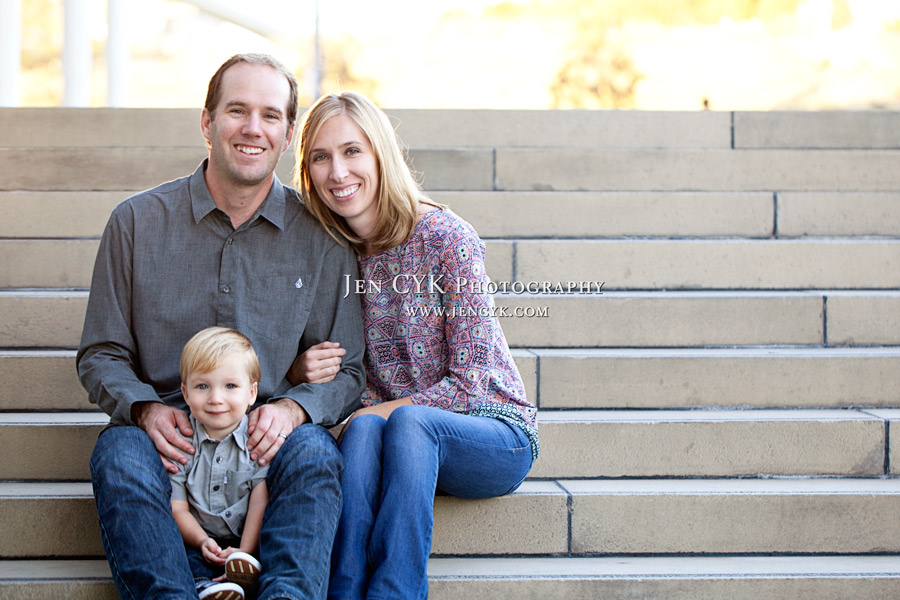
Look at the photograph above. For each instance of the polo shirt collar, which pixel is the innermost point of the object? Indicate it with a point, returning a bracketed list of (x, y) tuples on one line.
[(239, 434), (202, 204)]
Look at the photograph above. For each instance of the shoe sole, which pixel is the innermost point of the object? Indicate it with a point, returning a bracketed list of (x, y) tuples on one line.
[(242, 572)]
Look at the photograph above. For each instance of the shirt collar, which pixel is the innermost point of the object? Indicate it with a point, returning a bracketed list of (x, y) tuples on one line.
[(239, 434), (202, 204)]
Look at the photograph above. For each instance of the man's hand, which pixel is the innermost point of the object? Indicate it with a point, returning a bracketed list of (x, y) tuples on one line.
[(162, 424), (319, 364), (270, 425)]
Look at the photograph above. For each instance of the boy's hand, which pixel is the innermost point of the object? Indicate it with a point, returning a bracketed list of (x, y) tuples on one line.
[(319, 364), (162, 424), (211, 552)]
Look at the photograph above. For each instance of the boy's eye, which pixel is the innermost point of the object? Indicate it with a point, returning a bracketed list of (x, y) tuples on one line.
[(230, 386), (202, 386)]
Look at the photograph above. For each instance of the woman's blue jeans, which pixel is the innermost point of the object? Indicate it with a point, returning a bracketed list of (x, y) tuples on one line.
[(144, 548), (391, 471)]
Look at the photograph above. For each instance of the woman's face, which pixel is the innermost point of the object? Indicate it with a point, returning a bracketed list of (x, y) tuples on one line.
[(344, 171)]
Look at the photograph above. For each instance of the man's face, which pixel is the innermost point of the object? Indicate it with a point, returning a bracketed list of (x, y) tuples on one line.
[(249, 131)]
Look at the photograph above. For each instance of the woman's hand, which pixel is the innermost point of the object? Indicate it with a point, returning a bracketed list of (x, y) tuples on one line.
[(319, 364)]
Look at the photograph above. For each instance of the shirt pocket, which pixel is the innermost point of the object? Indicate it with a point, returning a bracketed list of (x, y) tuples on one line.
[(240, 483), (279, 305)]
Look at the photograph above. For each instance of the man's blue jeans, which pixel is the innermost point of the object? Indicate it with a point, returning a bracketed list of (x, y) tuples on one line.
[(144, 548), (392, 469)]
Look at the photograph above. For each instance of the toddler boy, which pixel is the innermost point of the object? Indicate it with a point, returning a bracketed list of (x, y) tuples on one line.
[(219, 496)]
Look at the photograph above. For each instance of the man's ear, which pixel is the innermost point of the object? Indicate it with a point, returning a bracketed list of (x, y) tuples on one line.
[(205, 120), (288, 137)]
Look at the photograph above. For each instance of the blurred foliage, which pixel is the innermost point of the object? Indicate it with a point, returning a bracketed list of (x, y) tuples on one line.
[(42, 39), (598, 74), (338, 74)]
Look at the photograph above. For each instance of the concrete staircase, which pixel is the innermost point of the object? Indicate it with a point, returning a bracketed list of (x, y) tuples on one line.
[(715, 418)]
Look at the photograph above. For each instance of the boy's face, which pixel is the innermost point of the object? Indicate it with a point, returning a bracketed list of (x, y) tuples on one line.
[(219, 399)]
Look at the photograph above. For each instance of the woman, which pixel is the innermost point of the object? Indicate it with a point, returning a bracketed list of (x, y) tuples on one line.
[(444, 407)]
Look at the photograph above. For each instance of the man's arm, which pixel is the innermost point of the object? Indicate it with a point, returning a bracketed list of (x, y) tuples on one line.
[(107, 357)]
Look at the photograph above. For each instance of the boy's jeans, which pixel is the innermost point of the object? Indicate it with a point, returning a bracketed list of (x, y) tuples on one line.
[(144, 548)]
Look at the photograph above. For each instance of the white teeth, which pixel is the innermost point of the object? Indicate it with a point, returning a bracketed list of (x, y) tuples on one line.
[(346, 192), (249, 150)]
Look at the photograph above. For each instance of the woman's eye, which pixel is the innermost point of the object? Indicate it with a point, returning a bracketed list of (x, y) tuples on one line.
[(352, 151)]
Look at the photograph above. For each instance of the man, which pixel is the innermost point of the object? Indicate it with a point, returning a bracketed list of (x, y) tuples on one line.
[(229, 246)]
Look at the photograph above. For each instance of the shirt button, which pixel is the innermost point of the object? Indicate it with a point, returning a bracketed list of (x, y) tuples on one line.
[(219, 459), (230, 241), (215, 488), (228, 513), (226, 289)]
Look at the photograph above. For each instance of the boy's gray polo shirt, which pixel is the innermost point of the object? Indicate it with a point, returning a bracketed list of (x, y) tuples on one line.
[(217, 480)]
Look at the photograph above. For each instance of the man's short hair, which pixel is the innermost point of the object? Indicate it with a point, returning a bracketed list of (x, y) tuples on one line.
[(210, 347), (214, 92)]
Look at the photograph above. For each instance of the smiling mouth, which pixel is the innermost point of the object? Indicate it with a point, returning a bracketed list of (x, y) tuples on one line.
[(344, 193), (249, 149)]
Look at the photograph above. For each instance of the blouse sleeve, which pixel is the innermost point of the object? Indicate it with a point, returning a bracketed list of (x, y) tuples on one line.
[(471, 329)]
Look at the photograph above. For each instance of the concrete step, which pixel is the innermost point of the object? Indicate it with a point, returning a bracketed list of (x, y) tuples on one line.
[(696, 170), (54, 318), (817, 129), (548, 214), (723, 377), (666, 578), (713, 264), (567, 517), (831, 577), (23, 127), (47, 380), (710, 443), (502, 169), (56, 214), (838, 213), (706, 443), (892, 418), (137, 168), (60, 127), (622, 264), (734, 516), (586, 379)]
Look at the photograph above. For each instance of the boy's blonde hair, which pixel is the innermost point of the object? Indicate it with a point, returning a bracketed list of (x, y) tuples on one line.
[(210, 347)]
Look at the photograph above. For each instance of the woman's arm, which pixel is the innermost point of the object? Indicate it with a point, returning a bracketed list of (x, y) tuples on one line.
[(259, 497)]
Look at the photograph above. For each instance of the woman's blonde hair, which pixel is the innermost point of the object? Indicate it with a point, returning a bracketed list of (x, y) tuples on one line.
[(209, 348), (398, 193)]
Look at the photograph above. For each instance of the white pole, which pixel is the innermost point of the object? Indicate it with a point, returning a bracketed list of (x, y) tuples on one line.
[(117, 54), (10, 51), (77, 55), (317, 58)]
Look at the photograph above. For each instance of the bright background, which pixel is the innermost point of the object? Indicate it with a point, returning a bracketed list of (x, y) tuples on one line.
[(516, 54)]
